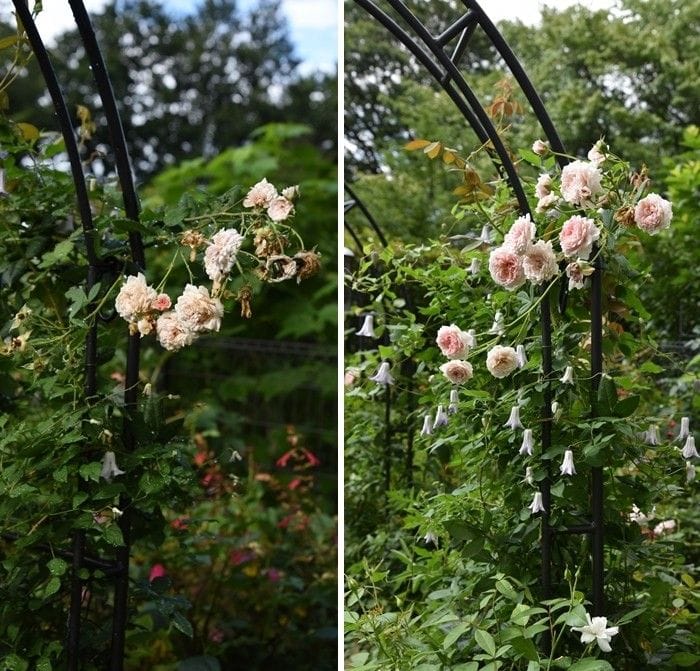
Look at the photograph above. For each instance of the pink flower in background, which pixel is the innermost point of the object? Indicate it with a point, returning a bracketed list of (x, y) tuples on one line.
[(157, 571), (520, 236), (544, 185), (260, 195), (273, 575), (216, 635), (540, 147), (653, 213), (597, 153), (577, 236), (501, 361), (540, 263), (546, 202), (280, 208), (456, 371), (580, 181), (506, 268), (239, 556), (453, 342), (161, 303)]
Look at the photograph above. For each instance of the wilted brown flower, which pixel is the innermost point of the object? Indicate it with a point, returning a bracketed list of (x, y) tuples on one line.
[(308, 264), (193, 240), (278, 268), (244, 297), (640, 180), (268, 242), (625, 216)]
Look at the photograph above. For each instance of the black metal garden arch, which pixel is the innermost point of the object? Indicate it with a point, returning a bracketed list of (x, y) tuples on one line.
[(118, 567), (431, 51)]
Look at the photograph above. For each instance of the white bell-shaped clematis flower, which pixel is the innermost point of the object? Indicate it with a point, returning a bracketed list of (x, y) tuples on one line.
[(529, 476), (567, 466), (471, 338), (689, 471), (485, 236), (689, 451), (367, 329), (597, 630), (475, 267), (568, 377), (526, 447), (514, 419), (651, 435), (427, 429), (430, 538), (522, 357), (454, 402), (685, 429), (497, 327), (441, 418), (555, 407), (537, 506), (383, 376), (109, 467)]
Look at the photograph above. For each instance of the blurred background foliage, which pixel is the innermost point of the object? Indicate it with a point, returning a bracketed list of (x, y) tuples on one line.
[(248, 569)]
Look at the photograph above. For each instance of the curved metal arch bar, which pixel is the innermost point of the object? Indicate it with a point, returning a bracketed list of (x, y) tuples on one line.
[(368, 215), (521, 77), (114, 125), (64, 119), (131, 207), (450, 68)]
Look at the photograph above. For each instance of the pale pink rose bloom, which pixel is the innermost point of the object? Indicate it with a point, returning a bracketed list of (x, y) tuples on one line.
[(260, 195), (172, 333), (597, 153), (653, 213), (544, 185), (134, 298), (291, 193), (520, 236), (279, 209), (577, 236), (161, 303), (577, 272), (580, 181), (506, 268), (221, 253), (197, 311), (501, 361), (453, 342), (457, 371), (546, 203), (540, 148), (540, 262)]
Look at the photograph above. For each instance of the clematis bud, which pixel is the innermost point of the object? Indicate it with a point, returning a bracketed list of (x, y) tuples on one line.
[(522, 357), (485, 236), (529, 476), (689, 471), (651, 435), (685, 429), (475, 267), (514, 419), (537, 506), (555, 407), (109, 466), (567, 466), (427, 429), (526, 447), (454, 402), (383, 376), (568, 377), (497, 327), (471, 338), (689, 451), (440, 418), (367, 329)]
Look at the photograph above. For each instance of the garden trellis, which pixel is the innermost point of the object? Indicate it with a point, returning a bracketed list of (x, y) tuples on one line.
[(98, 269), (440, 59)]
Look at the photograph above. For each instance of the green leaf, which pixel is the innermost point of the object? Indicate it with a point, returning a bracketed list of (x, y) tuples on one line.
[(459, 530), (203, 663), (525, 648), (685, 659), (626, 406), (113, 535), (181, 623), (590, 664), (485, 641), (52, 586), (57, 566), (454, 634), (607, 397), (650, 367)]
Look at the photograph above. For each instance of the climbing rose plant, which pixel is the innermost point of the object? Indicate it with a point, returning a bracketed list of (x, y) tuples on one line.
[(455, 352)]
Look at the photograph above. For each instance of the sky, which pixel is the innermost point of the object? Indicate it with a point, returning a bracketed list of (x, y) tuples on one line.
[(313, 25)]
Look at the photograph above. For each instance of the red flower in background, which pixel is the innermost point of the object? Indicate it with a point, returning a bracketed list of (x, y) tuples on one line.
[(157, 571)]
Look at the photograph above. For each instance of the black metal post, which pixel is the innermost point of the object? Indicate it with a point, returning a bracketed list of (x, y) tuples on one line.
[(597, 490)]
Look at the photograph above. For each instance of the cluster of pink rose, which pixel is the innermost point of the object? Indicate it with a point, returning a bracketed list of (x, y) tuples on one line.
[(521, 257), (264, 195)]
